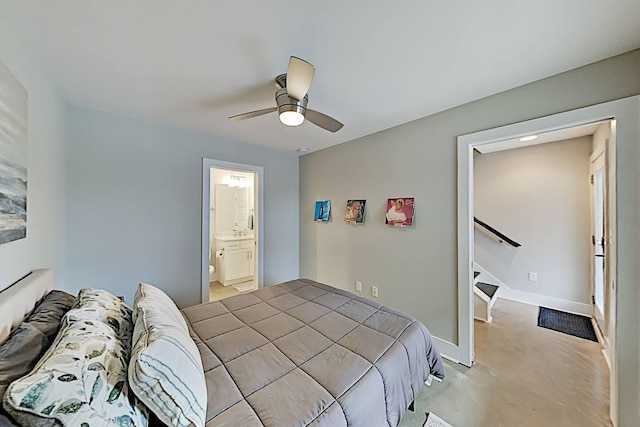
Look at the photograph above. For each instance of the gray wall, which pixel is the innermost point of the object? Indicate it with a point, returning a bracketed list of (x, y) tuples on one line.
[(45, 193), (134, 205), (415, 269), (538, 196)]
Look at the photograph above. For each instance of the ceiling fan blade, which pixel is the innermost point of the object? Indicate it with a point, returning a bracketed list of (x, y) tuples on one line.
[(252, 114), (299, 76), (324, 121)]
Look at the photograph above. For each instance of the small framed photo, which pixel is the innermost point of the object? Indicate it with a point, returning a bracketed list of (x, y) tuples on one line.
[(322, 211), (399, 212), (355, 211)]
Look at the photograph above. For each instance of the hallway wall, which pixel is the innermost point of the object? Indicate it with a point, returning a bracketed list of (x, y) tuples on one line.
[(538, 196)]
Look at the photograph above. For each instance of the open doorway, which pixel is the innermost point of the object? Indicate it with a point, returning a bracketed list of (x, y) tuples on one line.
[(231, 229), (549, 192), (537, 276), (621, 250)]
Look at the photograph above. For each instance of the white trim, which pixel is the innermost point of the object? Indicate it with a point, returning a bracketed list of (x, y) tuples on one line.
[(596, 154), (507, 292), (624, 389), (603, 342), (207, 164), (481, 308), (544, 301), (447, 350), (465, 252)]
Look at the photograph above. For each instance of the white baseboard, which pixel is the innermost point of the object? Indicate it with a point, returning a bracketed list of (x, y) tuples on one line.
[(549, 302), (447, 350), (506, 292), (604, 343)]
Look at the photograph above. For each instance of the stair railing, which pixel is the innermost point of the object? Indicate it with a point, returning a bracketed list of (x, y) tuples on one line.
[(495, 234)]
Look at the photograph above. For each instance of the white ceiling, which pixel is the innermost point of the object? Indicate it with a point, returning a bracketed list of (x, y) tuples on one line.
[(191, 64), (554, 136)]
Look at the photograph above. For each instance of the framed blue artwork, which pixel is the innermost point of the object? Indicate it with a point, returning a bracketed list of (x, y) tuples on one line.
[(323, 208)]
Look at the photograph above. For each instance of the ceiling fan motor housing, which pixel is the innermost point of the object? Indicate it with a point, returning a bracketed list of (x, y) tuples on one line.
[(286, 103), (292, 109)]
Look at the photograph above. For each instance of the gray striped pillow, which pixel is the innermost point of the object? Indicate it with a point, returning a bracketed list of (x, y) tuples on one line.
[(165, 370)]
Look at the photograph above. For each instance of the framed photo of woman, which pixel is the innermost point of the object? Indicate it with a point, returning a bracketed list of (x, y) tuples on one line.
[(399, 212), (355, 211)]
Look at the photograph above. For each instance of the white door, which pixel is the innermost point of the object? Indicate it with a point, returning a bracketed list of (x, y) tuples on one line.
[(598, 194), (604, 252)]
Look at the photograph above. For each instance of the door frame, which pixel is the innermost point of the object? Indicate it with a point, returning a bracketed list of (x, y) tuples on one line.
[(625, 135), (207, 165)]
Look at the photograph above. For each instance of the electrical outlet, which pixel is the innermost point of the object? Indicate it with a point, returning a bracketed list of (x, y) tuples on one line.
[(374, 291), (358, 286), (533, 277)]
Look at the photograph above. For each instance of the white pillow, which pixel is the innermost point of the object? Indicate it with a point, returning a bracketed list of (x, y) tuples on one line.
[(165, 370), (149, 296)]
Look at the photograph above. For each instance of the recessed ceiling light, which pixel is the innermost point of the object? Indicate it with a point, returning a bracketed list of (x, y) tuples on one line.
[(528, 138), (302, 150)]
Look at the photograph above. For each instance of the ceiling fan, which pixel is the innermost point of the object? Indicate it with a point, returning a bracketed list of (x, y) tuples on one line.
[(292, 98)]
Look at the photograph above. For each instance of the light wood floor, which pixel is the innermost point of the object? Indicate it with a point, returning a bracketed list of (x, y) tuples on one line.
[(523, 375), (217, 291)]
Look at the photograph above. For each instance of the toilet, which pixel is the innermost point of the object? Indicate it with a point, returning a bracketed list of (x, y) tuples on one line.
[(212, 268)]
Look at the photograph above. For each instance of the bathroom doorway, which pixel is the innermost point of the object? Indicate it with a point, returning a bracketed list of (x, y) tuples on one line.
[(231, 229)]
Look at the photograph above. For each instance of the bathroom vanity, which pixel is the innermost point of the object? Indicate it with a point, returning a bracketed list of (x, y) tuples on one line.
[(237, 262)]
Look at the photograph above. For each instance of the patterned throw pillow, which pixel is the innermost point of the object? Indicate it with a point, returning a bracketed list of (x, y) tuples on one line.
[(81, 381), (165, 370), (105, 307)]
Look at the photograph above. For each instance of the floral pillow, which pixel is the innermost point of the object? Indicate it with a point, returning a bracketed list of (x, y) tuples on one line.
[(105, 307), (81, 381)]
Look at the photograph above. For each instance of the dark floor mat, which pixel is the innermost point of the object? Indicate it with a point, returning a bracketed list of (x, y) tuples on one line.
[(568, 323)]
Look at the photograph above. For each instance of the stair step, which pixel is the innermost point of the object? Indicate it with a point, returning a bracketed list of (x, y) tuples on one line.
[(476, 274), (489, 289)]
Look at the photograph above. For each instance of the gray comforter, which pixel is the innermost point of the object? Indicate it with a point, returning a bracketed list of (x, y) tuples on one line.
[(303, 353)]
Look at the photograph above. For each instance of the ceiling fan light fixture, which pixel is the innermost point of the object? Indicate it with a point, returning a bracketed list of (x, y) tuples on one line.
[(292, 99), (291, 118), (290, 110)]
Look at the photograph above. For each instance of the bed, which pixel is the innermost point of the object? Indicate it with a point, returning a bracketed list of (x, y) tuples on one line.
[(305, 353), (301, 353)]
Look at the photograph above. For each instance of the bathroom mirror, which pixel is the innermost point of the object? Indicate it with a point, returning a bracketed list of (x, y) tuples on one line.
[(231, 208)]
